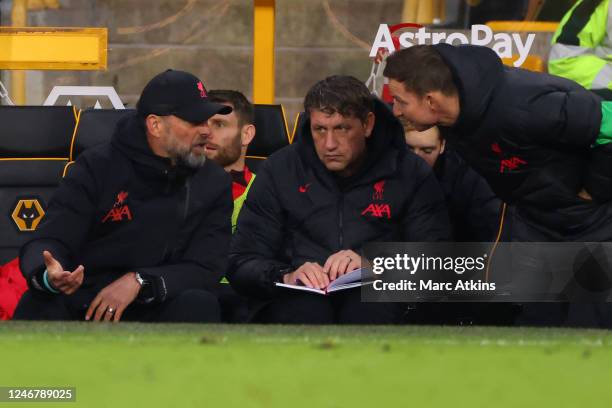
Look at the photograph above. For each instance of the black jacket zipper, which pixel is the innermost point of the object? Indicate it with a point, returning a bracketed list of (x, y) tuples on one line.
[(340, 222)]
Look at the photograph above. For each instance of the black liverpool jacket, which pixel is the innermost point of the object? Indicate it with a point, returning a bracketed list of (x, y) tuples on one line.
[(297, 211), (473, 209), (530, 135), (121, 208)]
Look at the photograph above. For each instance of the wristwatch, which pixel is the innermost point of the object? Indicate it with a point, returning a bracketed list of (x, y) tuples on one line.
[(147, 292)]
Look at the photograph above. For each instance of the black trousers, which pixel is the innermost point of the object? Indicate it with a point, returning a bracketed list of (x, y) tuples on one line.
[(343, 307), (191, 306), (538, 266), (234, 307)]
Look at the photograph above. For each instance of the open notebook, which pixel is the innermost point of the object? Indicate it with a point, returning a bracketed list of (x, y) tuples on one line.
[(346, 281)]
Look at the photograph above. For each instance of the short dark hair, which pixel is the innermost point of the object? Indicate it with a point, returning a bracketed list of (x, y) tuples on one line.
[(341, 94), (421, 69), (243, 108)]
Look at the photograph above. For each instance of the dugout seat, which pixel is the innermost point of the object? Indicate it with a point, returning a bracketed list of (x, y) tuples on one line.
[(297, 127), (25, 189), (36, 131), (34, 148), (271, 134), (95, 126)]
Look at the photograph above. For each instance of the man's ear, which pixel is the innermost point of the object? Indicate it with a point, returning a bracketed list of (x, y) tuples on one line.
[(442, 146), (431, 101), (154, 125), (369, 124), (247, 134), (434, 101)]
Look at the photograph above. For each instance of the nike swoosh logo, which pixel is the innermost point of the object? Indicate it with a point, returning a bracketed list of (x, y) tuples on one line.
[(302, 189)]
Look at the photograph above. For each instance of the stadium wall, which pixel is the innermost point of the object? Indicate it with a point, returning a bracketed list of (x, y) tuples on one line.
[(213, 39)]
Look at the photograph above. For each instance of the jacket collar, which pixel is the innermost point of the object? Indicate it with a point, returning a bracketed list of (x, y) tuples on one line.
[(130, 138), (477, 72)]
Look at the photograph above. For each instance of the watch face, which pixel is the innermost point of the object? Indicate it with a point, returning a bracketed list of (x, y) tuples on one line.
[(147, 290)]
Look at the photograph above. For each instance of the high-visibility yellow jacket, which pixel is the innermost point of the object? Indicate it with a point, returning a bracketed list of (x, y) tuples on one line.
[(239, 194), (582, 46)]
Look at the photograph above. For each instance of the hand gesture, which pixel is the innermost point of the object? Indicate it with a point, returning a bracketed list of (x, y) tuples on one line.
[(65, 281)]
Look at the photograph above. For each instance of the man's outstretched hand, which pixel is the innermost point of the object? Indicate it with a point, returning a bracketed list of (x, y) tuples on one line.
[(65, 281)]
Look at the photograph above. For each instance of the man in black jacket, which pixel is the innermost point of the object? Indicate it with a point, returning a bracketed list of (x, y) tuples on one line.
[(139, 228), (474, 210), (475, 215), (350, 180), (536, 138), (542, 142)]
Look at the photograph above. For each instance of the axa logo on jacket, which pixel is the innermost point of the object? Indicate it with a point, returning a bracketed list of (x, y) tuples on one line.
[(120, 209), (509, 163), (378, 210)]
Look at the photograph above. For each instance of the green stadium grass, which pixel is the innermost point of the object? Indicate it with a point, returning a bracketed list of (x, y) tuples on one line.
[(145, 365)]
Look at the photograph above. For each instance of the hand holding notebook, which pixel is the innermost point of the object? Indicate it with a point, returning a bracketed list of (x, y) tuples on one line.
[(346, 281)]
